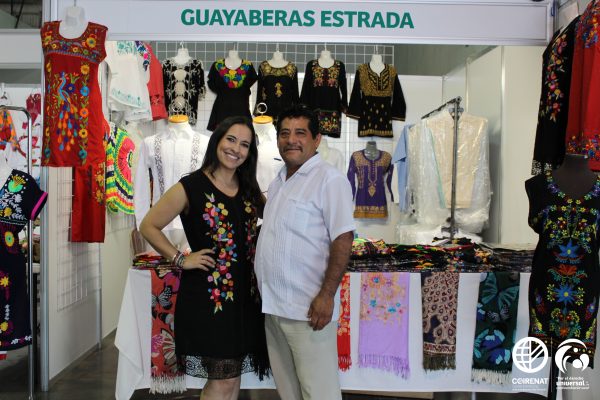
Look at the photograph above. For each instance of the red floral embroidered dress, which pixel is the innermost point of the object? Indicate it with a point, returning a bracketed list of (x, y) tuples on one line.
[(73, 117), (583, 128)]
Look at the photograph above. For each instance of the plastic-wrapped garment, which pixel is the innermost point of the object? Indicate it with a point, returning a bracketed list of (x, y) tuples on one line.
[(430, 173)]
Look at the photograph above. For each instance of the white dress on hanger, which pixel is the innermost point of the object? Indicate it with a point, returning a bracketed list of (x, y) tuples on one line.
[(170, 154), (127, 83)]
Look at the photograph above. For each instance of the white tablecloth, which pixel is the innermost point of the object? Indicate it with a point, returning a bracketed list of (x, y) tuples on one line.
[(133, 342)]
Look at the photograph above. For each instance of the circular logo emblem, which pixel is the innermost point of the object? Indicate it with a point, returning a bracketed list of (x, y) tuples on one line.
[(527, 353), (577, 356)]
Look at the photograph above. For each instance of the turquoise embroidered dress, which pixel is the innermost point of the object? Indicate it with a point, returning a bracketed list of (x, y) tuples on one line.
[(563, 288)]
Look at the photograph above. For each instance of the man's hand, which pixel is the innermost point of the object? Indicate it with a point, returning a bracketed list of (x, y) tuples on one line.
[(320, 311)]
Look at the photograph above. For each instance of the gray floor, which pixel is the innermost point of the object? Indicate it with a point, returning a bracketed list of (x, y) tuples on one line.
[(93, 378)]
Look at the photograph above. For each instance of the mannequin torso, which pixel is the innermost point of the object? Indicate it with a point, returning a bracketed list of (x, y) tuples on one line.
[(376, 64), (323, 148), (325, 60), (574, 176), (74, 23), (233, 60), (182, 57), (277, 61), (371, 151), (180, 128), (265, 133)]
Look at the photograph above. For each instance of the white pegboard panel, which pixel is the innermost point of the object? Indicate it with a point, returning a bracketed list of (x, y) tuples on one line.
[(78, 263)]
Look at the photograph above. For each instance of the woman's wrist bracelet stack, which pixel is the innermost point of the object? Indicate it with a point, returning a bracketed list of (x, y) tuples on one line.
[(178, 259)]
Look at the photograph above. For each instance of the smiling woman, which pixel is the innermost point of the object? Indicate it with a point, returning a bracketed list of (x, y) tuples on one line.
[(219, 205)]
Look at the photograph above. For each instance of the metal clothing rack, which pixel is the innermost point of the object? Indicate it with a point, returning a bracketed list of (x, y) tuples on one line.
[(452, 229), (32, 298)]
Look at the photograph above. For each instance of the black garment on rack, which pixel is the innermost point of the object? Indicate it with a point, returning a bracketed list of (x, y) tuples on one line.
[(189, 87), (232, 87), (21, 199), (376, 100), (277, 87), (549, 149), (324, 91)]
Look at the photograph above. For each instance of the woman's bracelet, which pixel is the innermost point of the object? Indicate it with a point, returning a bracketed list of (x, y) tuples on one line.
[(178, 259)]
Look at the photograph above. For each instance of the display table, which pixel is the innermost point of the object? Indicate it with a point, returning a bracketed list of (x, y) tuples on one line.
[(133, 342)]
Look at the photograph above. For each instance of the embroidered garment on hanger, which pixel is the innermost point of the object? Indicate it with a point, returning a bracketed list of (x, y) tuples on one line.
[(73, 119), (21, 200), (549, 148), (370, 191), (232, 87), (324, 91), (583, 127), (183, 87), (127, 84), (277, 87), (376, 100)]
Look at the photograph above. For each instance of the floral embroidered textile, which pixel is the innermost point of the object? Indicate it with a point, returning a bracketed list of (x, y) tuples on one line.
[(343, 329), (383, 326), (495, 328)]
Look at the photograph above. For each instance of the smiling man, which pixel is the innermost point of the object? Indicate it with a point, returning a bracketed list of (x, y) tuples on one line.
[(302, 254)]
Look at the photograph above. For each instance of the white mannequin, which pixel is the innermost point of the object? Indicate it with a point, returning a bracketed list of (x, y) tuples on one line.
[(74, 23), (233, 60), (325, 60), (376, 63), (181, 127), (567, 13), (331, 155), (182, 57), (269, 160), (265, 132), (277, 61), (5, 169), (323, 148)]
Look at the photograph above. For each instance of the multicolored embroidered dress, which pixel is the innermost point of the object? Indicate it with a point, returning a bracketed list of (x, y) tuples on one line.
[(73, 119), (21, 200), (218, 321), (549, 149), (583, 127), (563, 288), (232, 87)]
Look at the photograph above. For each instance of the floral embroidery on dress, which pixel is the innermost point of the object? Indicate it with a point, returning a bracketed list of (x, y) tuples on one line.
[(587, 28), (234, 78), (326, 76), (221, 234), (556, 63), (589, 145)]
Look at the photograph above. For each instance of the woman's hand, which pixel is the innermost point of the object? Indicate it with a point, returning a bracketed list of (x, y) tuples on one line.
[(199, 260)]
